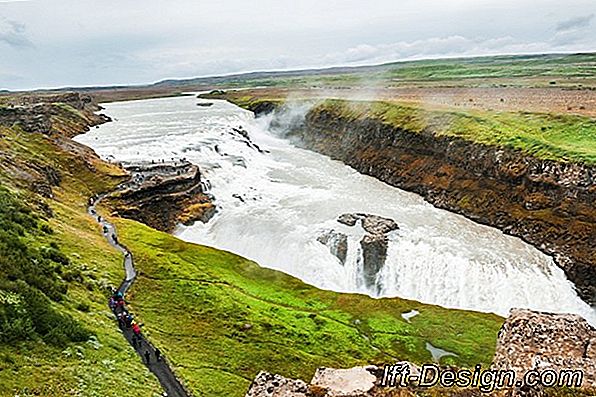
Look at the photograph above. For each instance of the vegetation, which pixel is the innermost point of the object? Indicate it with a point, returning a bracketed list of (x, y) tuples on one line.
[(221, 319), (57, 336), (555, 137), (568, 70)]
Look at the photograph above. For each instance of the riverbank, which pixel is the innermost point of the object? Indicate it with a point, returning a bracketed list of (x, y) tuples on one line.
[(525, 189)]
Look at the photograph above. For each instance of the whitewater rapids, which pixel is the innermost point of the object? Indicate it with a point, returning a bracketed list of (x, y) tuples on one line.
[(273, 203)]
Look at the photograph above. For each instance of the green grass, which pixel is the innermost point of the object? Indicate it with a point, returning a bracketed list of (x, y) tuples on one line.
[(195, 302), (556, 137), (104, 365)]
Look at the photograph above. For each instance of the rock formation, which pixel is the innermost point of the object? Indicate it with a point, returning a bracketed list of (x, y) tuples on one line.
[(68, 114), (337, 243), (162, 195), (270, 385), (545, 341), (374, 243)]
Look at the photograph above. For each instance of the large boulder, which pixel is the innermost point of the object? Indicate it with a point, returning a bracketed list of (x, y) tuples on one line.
[(530, 340)]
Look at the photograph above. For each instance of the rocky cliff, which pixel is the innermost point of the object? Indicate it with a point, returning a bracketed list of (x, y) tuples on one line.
[(163, 195), (68, 114), (547, 203)]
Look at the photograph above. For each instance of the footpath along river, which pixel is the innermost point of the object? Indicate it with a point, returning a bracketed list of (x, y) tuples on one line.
[(274, 199)]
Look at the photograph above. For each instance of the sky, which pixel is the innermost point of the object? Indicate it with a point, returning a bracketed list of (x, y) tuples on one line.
[(47, 43)]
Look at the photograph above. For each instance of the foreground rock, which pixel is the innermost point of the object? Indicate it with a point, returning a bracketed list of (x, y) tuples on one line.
[(163, 195), (270, 385), (545, 341), (327, 382)]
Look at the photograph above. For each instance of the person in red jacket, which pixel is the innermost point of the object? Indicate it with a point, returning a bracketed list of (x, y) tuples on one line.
[(136, 329)]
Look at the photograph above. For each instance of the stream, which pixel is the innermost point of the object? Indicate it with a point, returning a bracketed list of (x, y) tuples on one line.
[(274, 200)]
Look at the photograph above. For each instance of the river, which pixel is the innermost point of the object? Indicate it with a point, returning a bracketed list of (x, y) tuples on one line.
[(273, 203)]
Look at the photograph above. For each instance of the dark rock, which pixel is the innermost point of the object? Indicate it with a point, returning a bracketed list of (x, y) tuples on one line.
[(337, 243), (374, 254)]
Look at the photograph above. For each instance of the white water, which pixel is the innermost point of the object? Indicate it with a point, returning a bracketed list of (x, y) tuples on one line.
[(273, 206)]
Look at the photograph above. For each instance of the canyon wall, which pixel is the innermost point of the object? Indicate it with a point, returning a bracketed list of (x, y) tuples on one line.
[(548, 204)]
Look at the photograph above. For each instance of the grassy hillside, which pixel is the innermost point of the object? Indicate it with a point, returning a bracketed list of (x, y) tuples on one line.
[(221, 319), (57, 336), (555, 137)]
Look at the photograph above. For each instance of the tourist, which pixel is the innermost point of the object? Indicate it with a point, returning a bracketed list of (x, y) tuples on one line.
[(147, 356), (136, 329), (157, 354)]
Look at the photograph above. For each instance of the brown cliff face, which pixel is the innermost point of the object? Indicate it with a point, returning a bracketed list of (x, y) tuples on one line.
[(163, 196), (548, 204)]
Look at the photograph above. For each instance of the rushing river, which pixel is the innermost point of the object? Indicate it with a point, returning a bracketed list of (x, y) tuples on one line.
[(274, 203)]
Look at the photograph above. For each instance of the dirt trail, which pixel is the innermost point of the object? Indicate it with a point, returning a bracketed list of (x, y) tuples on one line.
[(160, 368)]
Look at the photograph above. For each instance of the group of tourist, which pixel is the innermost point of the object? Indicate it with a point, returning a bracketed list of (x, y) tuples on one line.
[(129, 325)]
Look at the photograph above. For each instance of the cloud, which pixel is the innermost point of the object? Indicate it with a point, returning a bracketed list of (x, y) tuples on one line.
[(14, 34), (457, 45), (574, 23)]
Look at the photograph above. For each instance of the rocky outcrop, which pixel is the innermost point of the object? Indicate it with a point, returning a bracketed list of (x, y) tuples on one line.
[(337, 243), (68, 114), (163, 195), (531, 340), (547, 203), (374, 244)]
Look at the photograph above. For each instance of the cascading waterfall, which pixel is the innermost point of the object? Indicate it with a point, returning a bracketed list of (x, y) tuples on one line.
[(275, 201)]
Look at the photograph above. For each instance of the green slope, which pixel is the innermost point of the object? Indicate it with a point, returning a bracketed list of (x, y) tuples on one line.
[(221, 319)]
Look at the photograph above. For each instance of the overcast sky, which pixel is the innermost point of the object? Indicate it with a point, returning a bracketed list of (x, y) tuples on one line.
[(45, 43)]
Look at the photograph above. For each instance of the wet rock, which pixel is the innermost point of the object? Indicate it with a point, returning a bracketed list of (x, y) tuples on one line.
[(270, 385), (374, 253), (378, 225), (337, 243), (545, 341)]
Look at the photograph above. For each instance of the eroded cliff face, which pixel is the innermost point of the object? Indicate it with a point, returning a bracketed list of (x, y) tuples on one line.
[(549, 204), (163, 195)]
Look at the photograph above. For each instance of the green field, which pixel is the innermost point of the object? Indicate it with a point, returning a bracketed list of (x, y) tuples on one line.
[(568, 70)]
